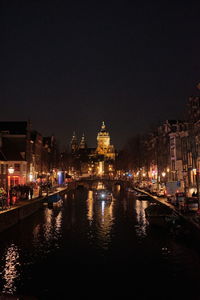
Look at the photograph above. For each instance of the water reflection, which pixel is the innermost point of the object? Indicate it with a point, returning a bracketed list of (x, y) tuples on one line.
[(90, 206), (141, 218), (48, 226), (92, 232), (104, 222), (47, 235), (10, 270), (36, 235), (100, 216), (58, 223)]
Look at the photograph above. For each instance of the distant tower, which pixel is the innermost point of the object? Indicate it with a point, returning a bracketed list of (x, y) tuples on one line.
[(103, 143), (103, 139), (83, 144), (74, 143)]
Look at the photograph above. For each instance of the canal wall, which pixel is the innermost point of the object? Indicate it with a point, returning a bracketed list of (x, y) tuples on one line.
[(188, 221), (14, 215)]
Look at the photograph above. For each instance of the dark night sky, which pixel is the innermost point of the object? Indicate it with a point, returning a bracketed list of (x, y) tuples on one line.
[(69, 66)]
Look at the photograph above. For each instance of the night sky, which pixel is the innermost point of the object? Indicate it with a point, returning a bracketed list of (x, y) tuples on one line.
[(68, 66)]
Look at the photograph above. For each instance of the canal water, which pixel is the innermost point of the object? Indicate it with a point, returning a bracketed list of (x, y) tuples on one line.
[(87, 248)]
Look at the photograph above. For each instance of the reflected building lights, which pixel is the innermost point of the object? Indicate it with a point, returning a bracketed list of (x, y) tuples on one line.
[(10, 272), (36, 235), (102, 210), (111, 210), (103, 213), (58, 222), (48, 224), (141, 218), (90, 206)]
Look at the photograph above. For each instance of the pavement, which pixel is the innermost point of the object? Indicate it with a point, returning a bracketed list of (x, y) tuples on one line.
[(36, 197)]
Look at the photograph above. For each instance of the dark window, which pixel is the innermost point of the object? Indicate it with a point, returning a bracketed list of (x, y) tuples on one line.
[(17, 167)]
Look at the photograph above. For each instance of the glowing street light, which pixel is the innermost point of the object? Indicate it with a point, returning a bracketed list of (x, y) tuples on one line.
[(194, 171), (30, 176), (11, 170)]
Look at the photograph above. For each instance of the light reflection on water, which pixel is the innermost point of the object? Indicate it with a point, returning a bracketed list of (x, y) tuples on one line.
[(48, 226), (10, 270), (100, 214), (141, 227), (45, 239), (46, 236), (90, 206), (104, 222), (85, 230)]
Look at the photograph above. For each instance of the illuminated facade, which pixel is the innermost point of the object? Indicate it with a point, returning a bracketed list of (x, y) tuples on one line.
[(30, 155), (94, 161), (103, 144)]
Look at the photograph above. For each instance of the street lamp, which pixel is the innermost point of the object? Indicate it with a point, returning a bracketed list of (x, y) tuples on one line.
[(168, 174), (11, 170)]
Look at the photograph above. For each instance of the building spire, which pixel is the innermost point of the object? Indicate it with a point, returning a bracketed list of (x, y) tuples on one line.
[(83, 142), (74, 143), (103, 126)]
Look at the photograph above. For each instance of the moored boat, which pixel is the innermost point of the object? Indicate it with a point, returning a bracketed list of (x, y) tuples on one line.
[(103, 194), (53, 198), (160, 215)]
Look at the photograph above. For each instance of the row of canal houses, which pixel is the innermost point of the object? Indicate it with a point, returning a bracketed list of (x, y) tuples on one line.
[(25, 155), (172, 151)]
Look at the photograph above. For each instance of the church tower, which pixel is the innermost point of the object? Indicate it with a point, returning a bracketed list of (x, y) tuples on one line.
[(103, 140), (83, 144), (103, 144), (74, 143)]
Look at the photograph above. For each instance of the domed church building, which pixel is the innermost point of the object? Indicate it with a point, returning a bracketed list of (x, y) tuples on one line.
[(103, 144), (99, 161)]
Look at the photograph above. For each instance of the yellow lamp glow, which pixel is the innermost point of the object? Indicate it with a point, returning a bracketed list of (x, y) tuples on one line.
[(11, 170)]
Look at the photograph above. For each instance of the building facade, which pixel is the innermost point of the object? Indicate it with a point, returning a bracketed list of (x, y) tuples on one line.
[(25, 155), (99, 161)]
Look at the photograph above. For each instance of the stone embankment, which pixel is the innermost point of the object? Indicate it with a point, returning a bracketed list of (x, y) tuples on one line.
[(22, 209), (191, 220)]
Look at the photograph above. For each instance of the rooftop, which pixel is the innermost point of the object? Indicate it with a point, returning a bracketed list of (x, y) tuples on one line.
[(14, 127)]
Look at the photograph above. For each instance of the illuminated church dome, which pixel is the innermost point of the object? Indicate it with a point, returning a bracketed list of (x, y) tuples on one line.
[(103, 143), (103, 138)]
